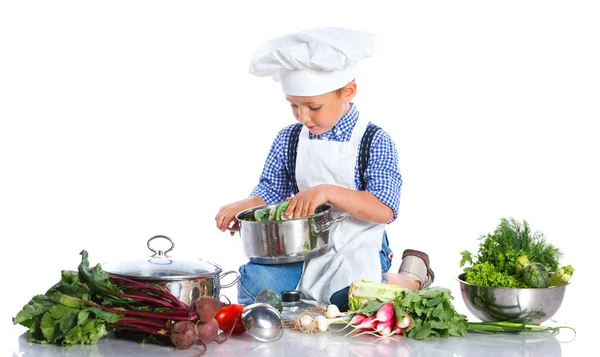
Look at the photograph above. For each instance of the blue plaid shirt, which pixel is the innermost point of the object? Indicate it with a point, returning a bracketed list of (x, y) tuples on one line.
[(382, 175)]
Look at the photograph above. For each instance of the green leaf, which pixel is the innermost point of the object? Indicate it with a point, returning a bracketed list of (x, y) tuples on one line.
[(431, 313), (442, 312), (59, 298), (90, 332), (49, 327), (370, 308), (104, 315), (423, 331), (467, 257), (437, 324), (398, 311), (58, 321), (37, 306), (71, 285), (35, 332), (433, 301), (95, 278)]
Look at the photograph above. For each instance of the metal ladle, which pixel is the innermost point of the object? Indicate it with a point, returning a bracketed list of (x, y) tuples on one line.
[(263, 322)]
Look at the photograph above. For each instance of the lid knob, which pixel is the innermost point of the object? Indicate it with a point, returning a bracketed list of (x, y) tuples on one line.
[(160, 253)]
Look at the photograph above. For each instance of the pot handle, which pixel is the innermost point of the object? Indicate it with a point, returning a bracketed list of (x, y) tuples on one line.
[(327, 225), (237, 277)]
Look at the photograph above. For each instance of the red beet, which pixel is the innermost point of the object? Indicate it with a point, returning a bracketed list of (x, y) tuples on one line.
[(206, 308), (184, 334), (208, 332)]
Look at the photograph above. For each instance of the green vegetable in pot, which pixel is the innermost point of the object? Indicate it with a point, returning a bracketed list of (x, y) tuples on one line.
[(522, 262), (275, 213), (261, 215), (281, 210), (535, 276), (561, 276)]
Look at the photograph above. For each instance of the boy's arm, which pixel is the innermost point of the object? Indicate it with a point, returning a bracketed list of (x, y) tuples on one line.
[(361, 204)]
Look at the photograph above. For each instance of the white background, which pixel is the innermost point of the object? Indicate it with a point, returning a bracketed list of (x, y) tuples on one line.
[(120, 120)]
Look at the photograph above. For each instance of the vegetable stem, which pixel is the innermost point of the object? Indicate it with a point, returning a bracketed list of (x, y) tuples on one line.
[(141, 328), (176, 314), (157, 290)]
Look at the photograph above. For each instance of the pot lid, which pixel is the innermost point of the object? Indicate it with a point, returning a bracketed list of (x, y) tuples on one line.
[(161, 266)]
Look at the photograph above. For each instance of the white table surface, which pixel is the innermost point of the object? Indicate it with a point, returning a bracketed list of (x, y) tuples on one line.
[(294, 343)]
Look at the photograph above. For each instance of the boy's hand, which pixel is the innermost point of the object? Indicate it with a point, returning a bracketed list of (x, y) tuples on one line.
[(306, 202), (228, 212)]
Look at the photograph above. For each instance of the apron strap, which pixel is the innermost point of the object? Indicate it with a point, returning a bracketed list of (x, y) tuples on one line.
[(363, 153), (292, 153)]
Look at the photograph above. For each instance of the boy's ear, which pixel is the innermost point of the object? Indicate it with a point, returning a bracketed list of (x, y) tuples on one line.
[(349, 91)]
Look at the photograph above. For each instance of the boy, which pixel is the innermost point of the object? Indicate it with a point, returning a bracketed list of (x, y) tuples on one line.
[(316, 69)]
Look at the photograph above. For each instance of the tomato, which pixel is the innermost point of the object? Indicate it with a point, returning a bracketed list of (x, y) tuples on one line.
[(227, 316)]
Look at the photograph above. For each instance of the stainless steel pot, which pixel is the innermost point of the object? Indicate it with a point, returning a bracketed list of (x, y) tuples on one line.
[(186, 279), (286, 241)]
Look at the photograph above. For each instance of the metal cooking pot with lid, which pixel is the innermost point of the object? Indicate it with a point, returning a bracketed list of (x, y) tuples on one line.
[(185, 279)]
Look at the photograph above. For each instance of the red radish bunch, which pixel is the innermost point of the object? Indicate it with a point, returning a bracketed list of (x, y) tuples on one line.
[(383, 323)]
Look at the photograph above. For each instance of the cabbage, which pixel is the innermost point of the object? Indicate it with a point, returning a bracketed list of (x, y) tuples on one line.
[(362, 291)]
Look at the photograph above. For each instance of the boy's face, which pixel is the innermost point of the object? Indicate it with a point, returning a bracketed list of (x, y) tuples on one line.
[(320, 113)]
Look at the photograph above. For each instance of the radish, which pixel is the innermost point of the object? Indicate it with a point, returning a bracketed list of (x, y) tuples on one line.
[(386, 312), (385, 327), (404, 323), (366, 325), (369, 323), (358, 319)]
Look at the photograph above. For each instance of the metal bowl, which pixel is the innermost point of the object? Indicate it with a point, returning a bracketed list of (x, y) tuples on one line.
[(503, 304)]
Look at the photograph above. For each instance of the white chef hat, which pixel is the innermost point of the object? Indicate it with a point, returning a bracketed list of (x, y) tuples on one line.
[(313, 62)]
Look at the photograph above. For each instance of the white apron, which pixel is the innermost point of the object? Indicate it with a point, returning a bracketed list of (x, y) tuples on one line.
[(356, 244)]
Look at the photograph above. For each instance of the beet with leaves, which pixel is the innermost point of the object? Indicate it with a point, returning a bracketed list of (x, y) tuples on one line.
[(88, 303)]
